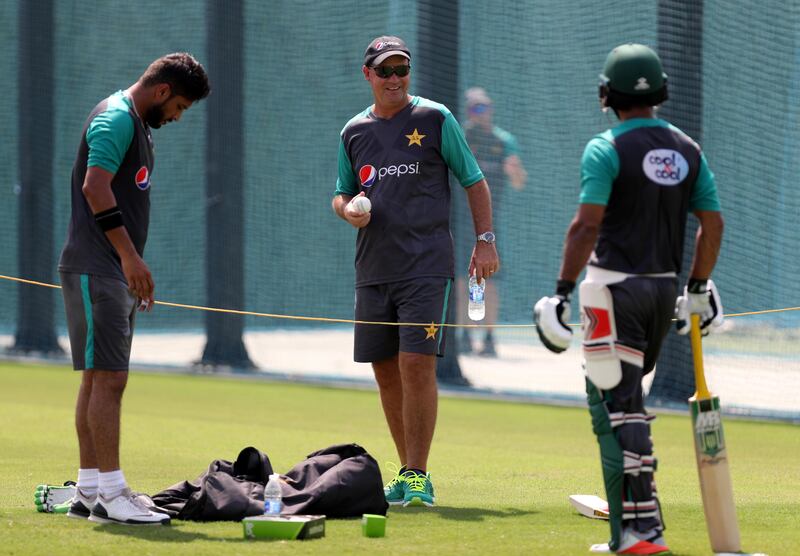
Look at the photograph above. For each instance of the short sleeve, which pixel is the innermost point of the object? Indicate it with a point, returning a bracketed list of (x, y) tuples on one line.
[(704, 195), (457, 154), (109, 136), (346, 182), (599, 169)]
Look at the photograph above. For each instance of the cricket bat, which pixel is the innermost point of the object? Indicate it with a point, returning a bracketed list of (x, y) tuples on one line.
[(590, 505), (712, 457)]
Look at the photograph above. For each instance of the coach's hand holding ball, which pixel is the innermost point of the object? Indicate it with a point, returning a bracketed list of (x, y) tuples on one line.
[(358, 210), (362, 205)]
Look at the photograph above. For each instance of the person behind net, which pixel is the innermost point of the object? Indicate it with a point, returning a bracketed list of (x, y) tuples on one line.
[(398, 153), (639, 180), (497, 154), (103, 276)]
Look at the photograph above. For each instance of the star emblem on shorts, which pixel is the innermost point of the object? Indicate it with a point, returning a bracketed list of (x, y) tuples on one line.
[(415, 138), (431, 331)]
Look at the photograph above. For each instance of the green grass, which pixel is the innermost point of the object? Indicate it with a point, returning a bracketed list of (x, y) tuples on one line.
[(502, 471)]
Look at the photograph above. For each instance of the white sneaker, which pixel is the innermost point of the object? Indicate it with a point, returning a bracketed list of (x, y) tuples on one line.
[(81, 505), (128, 508)]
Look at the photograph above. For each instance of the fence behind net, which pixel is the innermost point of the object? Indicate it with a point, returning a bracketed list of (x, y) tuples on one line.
[(301, 82)]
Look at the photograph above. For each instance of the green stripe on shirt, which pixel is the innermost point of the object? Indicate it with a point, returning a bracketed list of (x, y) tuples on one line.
[(110, 134), (600, 167), (455, 151), (346, 181), (705, 196)]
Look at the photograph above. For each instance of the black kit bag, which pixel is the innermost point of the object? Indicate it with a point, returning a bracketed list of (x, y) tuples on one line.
[(227, 491), (339, 481)]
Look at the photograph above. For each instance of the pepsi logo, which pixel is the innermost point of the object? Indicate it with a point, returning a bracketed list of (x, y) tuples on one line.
[(142, 178), (367, 175)]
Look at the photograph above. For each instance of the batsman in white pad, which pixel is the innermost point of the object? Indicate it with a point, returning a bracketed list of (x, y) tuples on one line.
[(639, 181)]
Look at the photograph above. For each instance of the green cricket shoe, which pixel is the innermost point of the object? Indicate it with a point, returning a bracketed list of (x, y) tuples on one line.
[(394, 491), (54, 499), (418, 489)]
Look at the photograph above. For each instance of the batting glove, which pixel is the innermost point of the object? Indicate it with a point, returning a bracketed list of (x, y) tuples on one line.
[(551, 315), (700, 297), (54, 499)]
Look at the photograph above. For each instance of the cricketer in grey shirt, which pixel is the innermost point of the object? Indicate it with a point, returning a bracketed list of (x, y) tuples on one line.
[(115, 139), (402, 165), (650, 168)]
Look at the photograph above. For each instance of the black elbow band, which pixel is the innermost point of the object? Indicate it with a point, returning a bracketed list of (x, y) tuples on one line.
[(109, 219)]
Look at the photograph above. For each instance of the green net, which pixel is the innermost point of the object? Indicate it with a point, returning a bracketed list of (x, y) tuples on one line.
[(301, 81)]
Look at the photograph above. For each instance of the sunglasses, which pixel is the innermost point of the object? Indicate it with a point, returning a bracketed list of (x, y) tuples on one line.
[(386, 72), (479, 108)]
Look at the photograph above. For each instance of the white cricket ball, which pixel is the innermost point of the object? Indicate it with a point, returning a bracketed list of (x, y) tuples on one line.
[(362, 205)]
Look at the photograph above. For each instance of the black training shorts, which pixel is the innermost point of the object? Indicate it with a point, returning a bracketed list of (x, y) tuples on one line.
[(418, 300), (100, 318)]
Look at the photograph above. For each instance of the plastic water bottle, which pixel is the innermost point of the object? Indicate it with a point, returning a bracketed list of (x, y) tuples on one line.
[(273, 499), (477, 303)]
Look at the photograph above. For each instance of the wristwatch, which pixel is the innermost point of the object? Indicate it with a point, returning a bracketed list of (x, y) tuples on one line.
[(488, 237)]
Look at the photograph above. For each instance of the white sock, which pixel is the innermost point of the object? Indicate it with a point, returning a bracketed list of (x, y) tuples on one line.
[(112, 483), (88, 481)]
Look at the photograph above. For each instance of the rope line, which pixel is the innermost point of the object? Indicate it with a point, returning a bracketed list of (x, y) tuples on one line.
[(351, 321)]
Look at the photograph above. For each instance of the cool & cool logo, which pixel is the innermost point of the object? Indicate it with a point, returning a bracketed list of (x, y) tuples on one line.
[(665, 166)]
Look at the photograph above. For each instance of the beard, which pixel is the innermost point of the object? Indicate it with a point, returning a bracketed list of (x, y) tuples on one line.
[(155, 116)]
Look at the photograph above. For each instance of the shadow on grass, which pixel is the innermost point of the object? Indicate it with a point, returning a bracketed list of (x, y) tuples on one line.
[(467, 514), (170, 533), (174, 532)]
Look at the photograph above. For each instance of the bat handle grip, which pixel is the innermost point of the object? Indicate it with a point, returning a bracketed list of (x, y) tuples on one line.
[(702, 392)]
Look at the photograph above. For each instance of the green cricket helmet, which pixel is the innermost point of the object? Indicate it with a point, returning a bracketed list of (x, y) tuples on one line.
[(632, 76)]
